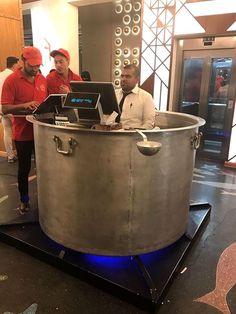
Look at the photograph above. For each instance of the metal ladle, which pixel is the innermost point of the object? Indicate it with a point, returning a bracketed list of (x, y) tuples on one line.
[(147, 148)]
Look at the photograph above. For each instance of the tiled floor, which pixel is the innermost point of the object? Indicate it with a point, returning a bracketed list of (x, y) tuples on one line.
[(25, 280)]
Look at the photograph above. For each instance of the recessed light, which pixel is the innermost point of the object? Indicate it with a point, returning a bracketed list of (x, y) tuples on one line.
[(118, 8), (126, 52), (135, 51), (117, 62), (118, 52), (126, 30), (118, 41), (135, 62), (126, 62), (127, 7), (136, 18), (136, 30), (126, 19), (117, 72), (117, 82), (118, 31), (137, 6)]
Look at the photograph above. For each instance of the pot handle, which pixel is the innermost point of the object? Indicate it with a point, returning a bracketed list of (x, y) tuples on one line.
[(196, 140), (71, 142)]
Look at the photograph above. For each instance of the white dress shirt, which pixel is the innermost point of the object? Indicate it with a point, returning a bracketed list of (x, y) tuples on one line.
[(3, 75), (138, 109)]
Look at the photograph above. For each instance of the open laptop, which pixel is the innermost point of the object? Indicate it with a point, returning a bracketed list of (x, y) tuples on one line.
[(53, 107), (52, 104)]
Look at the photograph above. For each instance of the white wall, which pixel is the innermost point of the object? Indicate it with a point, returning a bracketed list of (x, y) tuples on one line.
[(55, 25), (96, 40)]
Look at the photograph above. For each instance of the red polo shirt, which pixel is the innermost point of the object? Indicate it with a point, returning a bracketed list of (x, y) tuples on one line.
[(18, 90), (54, 81)]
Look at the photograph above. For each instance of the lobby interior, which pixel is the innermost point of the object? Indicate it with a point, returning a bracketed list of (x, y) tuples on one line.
[(205, 279)]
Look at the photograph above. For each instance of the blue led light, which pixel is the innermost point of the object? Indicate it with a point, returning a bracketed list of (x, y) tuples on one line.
[(149, 257), (113, 262), (122, 261), (107, 261), (81, 100)]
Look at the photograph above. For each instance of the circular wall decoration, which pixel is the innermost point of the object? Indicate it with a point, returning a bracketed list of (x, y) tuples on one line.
[(126, 62), (118, 41), (126, 30), (126, 19), (118, 8), (127, 7), (117, 72), (137, 6), (117, 62), (117, 82), (136, 18), (126, 52), (118, 52), (135, 51), (135, 30), (135, 62), (118, 31)]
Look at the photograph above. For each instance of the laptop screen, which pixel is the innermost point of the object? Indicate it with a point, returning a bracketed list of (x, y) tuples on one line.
[(53, 103)]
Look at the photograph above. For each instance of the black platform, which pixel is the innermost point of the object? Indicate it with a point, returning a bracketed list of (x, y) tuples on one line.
[(142, 280)]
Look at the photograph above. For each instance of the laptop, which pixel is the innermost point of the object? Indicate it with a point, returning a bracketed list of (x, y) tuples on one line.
[(52, 104)]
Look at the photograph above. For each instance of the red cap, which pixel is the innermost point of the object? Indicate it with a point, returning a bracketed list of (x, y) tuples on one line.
[(32, 55), (61, 52)]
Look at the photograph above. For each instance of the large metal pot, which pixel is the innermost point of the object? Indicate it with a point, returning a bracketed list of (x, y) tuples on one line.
[(98, 194)]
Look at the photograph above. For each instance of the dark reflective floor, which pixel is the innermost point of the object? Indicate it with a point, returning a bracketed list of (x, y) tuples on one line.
[(31, 281)]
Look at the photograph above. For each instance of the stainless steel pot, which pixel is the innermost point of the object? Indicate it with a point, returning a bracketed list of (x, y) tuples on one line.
[(98, 194)]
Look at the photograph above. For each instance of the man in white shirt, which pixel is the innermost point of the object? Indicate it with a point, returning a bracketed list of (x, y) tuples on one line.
[(137, 105), (12, 66)]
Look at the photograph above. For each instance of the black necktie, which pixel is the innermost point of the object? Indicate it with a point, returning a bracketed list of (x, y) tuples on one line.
[(121, 103)]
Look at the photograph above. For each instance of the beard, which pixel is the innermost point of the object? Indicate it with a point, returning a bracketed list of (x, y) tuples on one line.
[(30, 72)]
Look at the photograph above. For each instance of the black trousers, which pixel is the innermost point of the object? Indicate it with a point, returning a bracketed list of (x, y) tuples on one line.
[(24, 152)]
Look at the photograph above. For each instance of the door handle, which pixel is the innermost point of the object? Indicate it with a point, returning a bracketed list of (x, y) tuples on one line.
[(230, 104)]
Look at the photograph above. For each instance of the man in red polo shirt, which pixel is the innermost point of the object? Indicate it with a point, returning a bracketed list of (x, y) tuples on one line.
[(59, 81), (22, 92)]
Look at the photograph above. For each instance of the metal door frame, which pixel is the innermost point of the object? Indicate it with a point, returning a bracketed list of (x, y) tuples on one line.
[(193, 48)]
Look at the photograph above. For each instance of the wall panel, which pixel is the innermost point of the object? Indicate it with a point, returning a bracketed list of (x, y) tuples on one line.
[(11, 39), (10, 9), (11, 30)]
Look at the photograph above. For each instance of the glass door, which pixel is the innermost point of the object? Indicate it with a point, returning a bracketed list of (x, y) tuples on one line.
[(191, 85), (208, 91)]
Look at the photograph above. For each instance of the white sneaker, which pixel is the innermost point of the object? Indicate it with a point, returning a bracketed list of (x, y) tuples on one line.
[(24, 208), (12, 160)]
